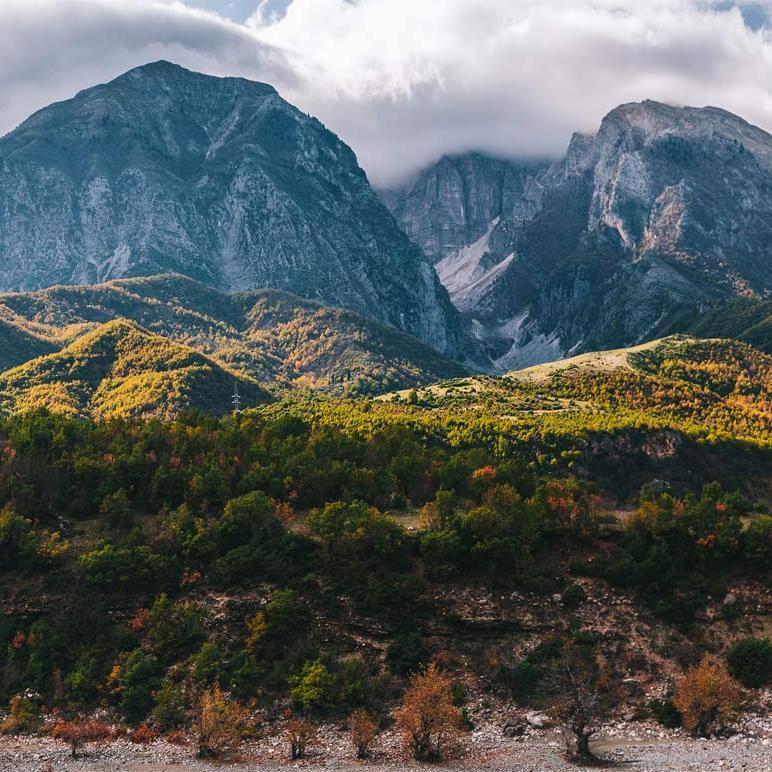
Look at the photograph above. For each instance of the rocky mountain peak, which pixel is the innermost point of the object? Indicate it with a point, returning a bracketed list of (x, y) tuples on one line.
[(165, 170), (451, 203), (663, 210)]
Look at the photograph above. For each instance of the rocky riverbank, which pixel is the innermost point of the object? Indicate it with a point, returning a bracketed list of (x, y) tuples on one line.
[(643, 744)]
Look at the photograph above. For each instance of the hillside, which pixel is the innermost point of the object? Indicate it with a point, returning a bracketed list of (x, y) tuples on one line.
[(17, 345), (720, 390), (314, 554), (268, 335), (163, 170), (119, 370), (745, 319)]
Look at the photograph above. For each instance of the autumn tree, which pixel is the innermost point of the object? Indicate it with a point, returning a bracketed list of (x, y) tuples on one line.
[(707, 697), (427, 718), (362, 732), (221, 725), (80, 731)]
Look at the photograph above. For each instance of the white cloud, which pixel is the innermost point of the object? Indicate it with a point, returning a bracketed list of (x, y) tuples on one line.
[(405, 80), (49, 49)]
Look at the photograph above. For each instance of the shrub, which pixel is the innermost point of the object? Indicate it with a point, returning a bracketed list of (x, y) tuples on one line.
[(354, 682), (82, 683), (362, 732), (138, 677), (707, 697), (573, 596), (80, 731), (172, 628), (427, 718), (442, 552), (750, 662), (207, 664), (221, 725), (18, 541), (300, 735), (170, 709), (24, 716), (406, 653), (666, 713), (142, 735), (314, 688), (123, 568), (758, 541)]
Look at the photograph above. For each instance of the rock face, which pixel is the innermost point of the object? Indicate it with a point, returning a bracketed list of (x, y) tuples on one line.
[(664, 209), (164, 170), (450, 205)]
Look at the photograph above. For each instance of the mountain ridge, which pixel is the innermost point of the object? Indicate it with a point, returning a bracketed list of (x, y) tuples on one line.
[(268, 335), (164, 170), (662, 213), (119, 369)]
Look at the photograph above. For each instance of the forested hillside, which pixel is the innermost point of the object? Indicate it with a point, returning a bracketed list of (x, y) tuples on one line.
[(307, 555), (267, 335)]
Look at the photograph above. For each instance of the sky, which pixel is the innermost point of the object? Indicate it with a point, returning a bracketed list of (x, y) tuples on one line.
[(405, 81)]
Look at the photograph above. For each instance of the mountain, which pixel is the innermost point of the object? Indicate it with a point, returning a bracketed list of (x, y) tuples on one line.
[(119, 369), (451, 203), (267, 335), (665, 213), (164, 170)]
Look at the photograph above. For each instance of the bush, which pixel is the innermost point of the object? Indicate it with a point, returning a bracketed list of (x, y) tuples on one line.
[(24, 716), (221, 725), (138, 677), (123, 568), (300, 735), (142, 735), (362, 732), (207, 665), (314, 688), (80, 731), (170, 709), (707, 697), (573, 596), (442, 552), (666, 713), (750, 662), (427, 718), (354, 682), (406, 653), (18, 541), (172, 628), (758, 541)]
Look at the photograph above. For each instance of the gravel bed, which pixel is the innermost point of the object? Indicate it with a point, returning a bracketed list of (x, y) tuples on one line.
[(644, 748)]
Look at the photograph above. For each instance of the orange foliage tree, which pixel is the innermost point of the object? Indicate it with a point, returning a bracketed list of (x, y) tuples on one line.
[(80, 731), (362, 731), (707, 697), (427, 718)]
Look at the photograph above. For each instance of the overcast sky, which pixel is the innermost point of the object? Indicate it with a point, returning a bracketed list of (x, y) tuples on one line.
[(404, 81)]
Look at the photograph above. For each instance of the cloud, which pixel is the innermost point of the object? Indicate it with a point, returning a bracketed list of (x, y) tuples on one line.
[(404, 81), (51, 49)]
